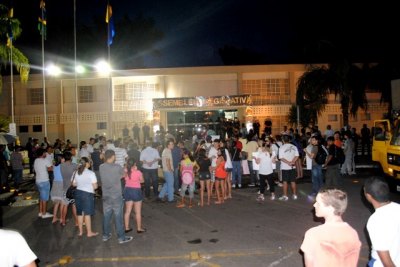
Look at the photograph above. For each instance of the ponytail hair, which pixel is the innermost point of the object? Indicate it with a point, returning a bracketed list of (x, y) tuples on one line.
[(82, 165), (130, 163)]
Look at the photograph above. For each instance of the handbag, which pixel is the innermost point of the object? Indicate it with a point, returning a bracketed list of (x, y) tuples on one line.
[(71, 189)]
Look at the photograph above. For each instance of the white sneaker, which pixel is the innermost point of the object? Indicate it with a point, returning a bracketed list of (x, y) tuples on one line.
[(294, 197), (280, 184), (233, 186), (47, 215), (40, 215), (272, 197), (258, 192), (260, 197), (284, 198), (125, 240), (240, 185)]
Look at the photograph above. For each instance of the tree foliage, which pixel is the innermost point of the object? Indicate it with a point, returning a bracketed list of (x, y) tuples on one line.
[(20, 61)]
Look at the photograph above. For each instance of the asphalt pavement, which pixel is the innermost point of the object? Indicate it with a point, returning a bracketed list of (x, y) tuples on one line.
[(240, 232)]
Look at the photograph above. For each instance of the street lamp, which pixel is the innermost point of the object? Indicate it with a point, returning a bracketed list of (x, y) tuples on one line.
[(53, 70), (103, 68)]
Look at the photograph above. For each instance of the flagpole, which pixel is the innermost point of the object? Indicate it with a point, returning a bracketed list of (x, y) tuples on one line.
[(12, 80), (43, 78), (76, 80), (109, 75)]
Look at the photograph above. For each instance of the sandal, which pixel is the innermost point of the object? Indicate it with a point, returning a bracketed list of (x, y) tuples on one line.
[(141, 231), (180, 205)]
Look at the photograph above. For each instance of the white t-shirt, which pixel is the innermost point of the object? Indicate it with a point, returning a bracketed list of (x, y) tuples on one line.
[(40, 166), (149, 154), (228, 163), (384, 231), (213, 155), (85, 181), (14, 249), (288, 152), (265, 165)]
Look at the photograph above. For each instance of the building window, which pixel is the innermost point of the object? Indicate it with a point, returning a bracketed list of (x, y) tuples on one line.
[(37, 128), (267, 91), (23, 128), (134, 96), (86, 94), (332, 117), (35, 96), (101, 125)]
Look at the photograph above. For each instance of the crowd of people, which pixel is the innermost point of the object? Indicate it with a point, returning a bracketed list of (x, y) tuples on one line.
[(123, 174)]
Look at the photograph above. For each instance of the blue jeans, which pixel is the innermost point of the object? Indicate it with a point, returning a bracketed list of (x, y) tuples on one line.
[(17, 174), (316, 178), (110, 207), (176, 179), (237, 172), (168, 187), (150, 177)]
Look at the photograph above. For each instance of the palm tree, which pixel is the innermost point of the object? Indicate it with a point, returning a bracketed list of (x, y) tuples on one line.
[(11, 26), (347, 81)]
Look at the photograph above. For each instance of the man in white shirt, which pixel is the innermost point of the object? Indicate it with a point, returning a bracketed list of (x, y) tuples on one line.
[(15, 251), (168, 170), (288, 154), (149, 158), (383, 225), (41, 167), (120, 153)]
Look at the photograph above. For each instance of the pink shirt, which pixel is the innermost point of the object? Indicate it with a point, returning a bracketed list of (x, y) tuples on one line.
[(134, 181)]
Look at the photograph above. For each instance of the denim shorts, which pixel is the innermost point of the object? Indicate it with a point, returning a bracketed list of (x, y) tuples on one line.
[(84, 202), (44, 190), (133, 194)]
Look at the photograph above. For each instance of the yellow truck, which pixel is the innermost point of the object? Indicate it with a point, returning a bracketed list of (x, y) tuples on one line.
[(386, 141)]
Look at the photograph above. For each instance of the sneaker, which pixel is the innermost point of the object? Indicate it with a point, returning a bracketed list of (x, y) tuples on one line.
[(272, 197), (284, 198), (47, 215), (240, 185), (40, 215), (260, 197), (252, 185), (106, 237), (258, 192), (280, 184), (294, 197), (125, 240), (233, 186)]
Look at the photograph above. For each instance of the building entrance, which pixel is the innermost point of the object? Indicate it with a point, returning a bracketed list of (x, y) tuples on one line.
[(187, 123)]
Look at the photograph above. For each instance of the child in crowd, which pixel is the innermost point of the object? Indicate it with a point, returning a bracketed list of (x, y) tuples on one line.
[(220, 176), (204, 176), (57, 192), (187, 174)]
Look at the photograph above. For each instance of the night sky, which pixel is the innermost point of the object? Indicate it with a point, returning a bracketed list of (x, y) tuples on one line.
[(278, 32)]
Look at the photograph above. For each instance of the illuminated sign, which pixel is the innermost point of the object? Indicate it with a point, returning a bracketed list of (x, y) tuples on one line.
[(202, 101)]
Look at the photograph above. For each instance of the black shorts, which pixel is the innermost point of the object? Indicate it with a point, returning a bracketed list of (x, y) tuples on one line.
[(204, 176), (289, 175)]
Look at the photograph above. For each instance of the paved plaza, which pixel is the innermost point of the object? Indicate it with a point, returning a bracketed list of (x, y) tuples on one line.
[(241, 232)]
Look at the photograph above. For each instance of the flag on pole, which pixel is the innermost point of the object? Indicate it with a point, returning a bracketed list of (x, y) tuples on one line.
[(110, 27), (42, 19), (10, 34)]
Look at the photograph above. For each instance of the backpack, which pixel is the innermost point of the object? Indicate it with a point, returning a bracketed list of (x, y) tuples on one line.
[(321, 156), (339, 155), (187, 173)]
